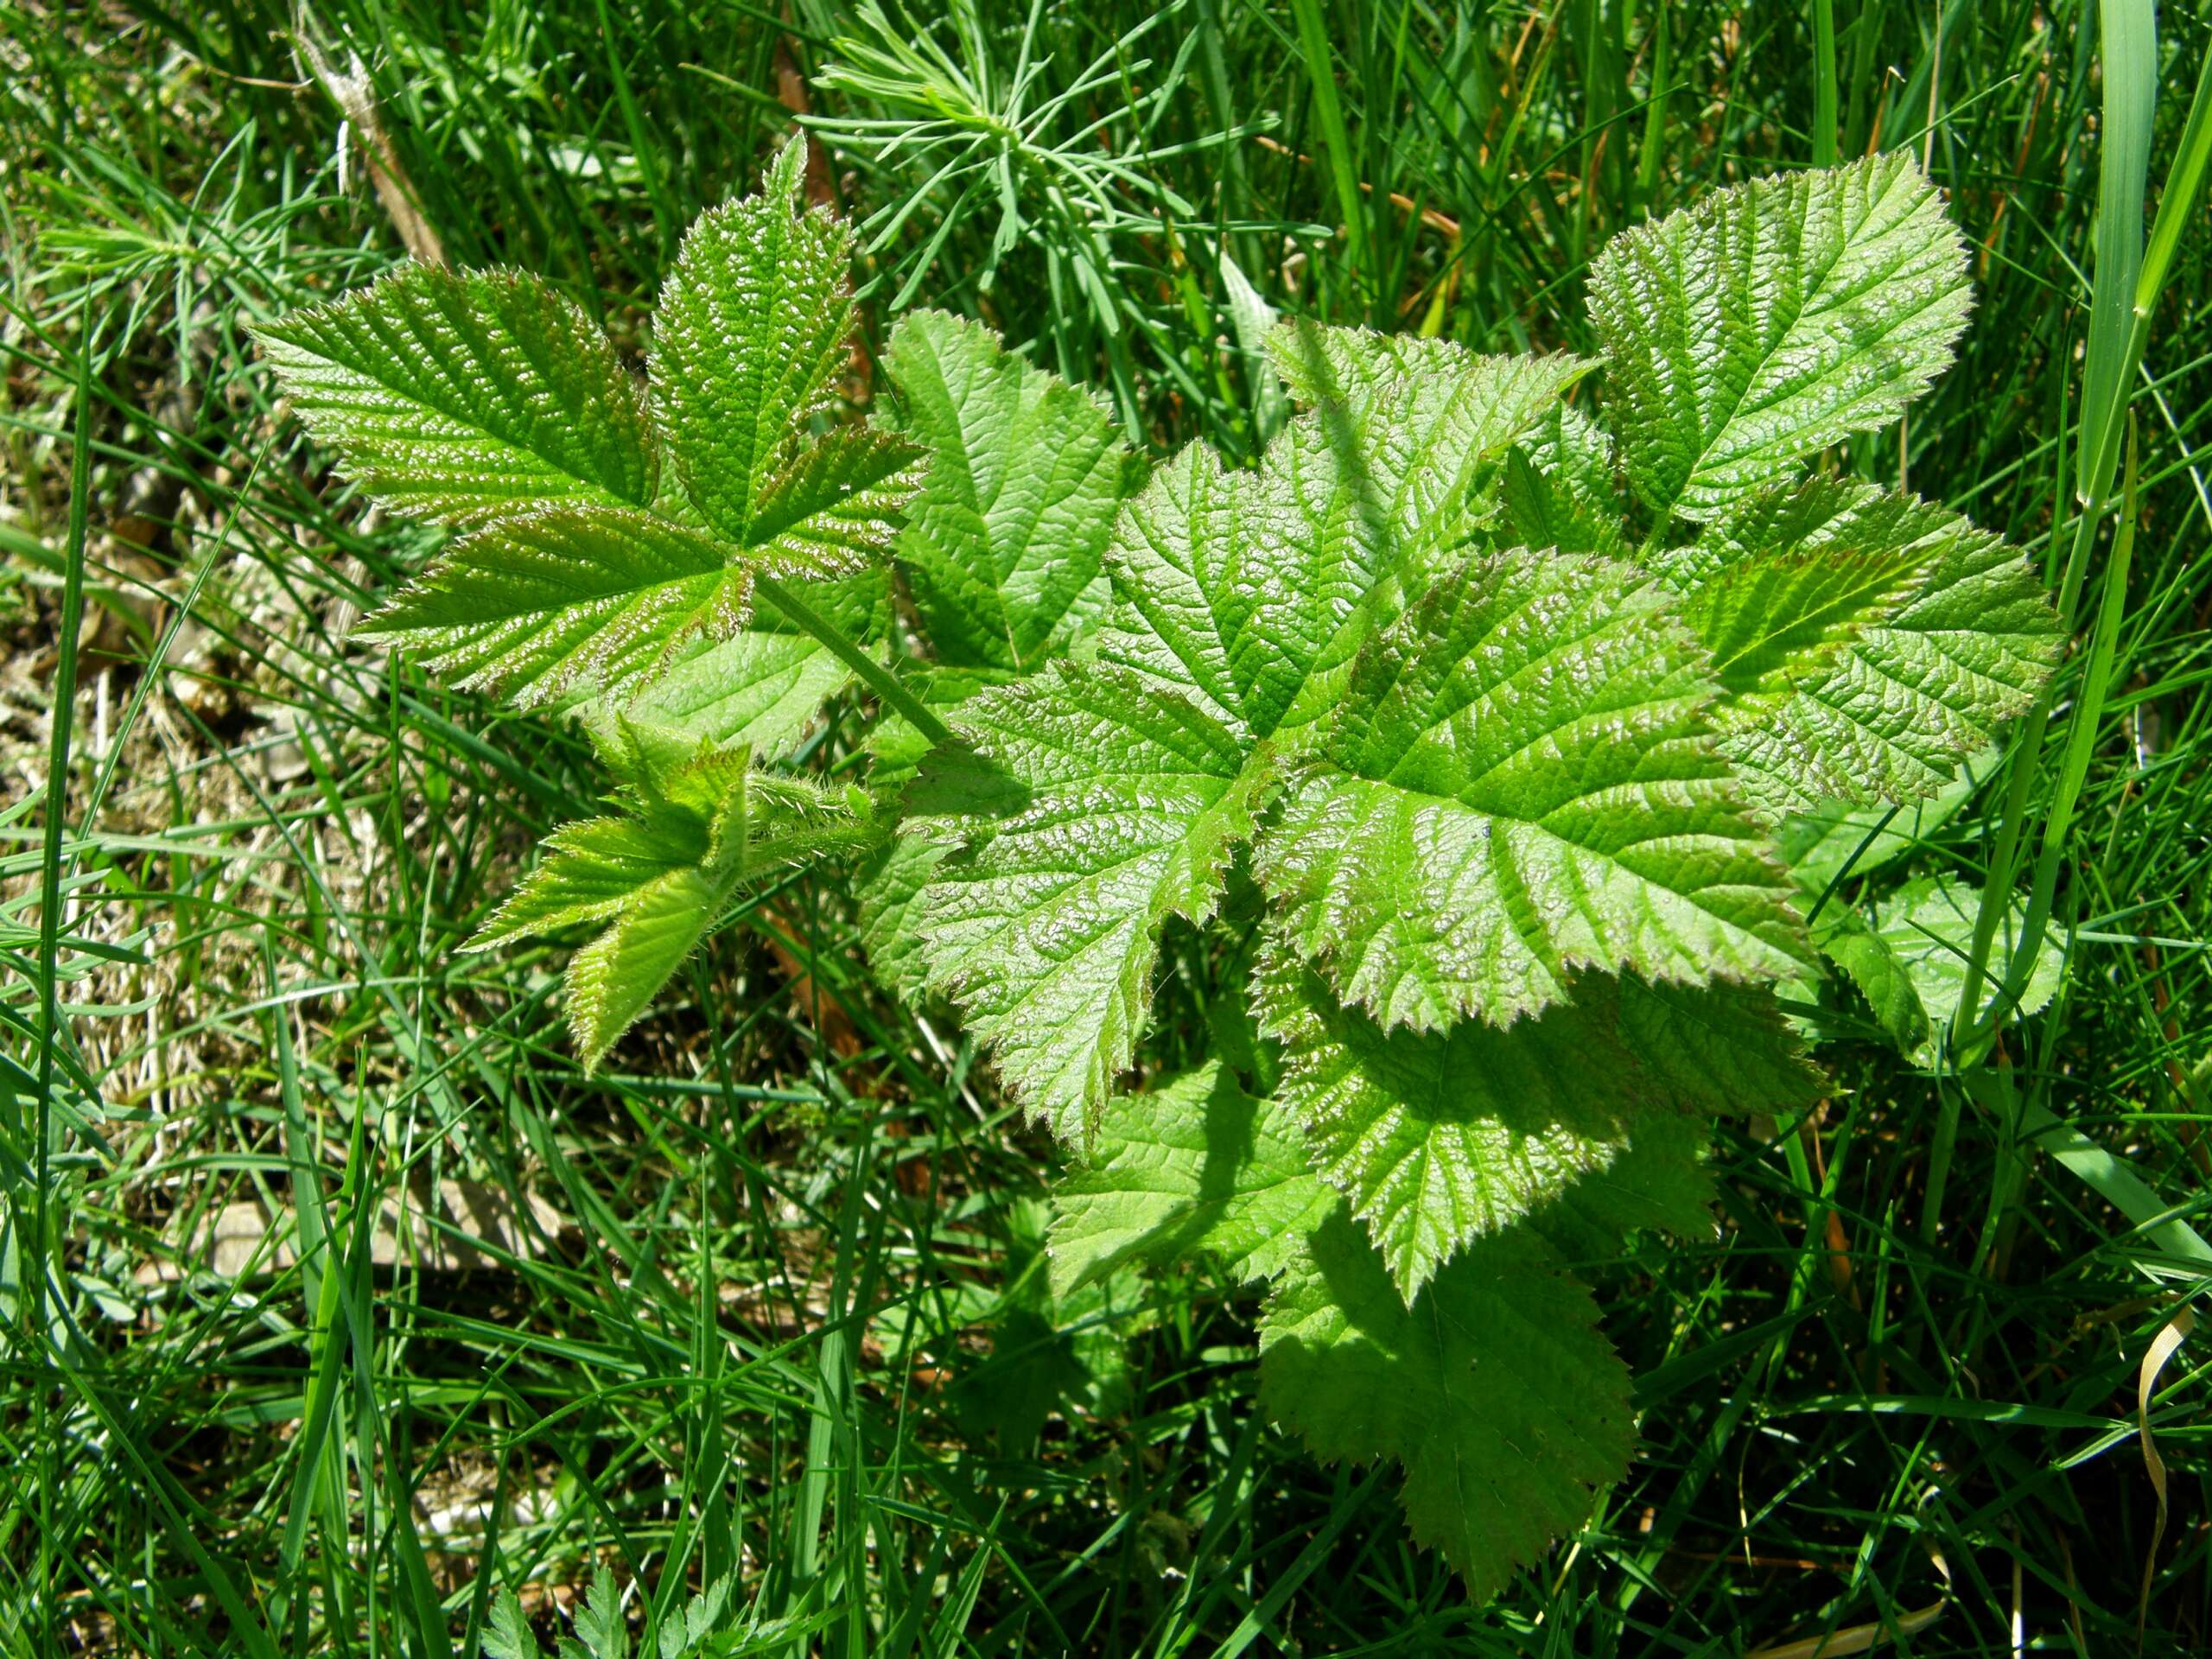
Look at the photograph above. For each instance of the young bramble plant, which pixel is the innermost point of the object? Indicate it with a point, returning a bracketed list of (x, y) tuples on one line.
[(1451, 753)]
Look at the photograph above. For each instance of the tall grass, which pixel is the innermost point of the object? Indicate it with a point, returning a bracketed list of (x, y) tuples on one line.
[(758, 1304)]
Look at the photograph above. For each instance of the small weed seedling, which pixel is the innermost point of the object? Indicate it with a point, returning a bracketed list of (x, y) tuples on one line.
[(1448, 757)]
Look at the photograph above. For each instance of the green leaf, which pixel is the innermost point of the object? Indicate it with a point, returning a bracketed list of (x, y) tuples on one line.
[(1360, 371), (1521, 784), (506, 1631), (1004, 545), (1714, 1049), (615, 978), (1661, 1183), (658, 881), (1252, 590), (1558, 488), (1927, 927), (1865, 959), (1108, 796), (1440, 1138), (752, 325), (1780, 617), (1102, 806), (1052, 1348), (700, 824), (1771, 320), (1495, 1391), (889, 883), (754, 689), (1833, 842), (1886, 707), (591, 870), (600, 1631), (748, 339), (1192, 1165), (532, 605), (462, 395), (763, 686)]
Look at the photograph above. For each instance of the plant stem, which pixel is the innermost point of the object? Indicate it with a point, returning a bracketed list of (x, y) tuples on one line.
[(1823, 83), (55, 809), (878, 678)]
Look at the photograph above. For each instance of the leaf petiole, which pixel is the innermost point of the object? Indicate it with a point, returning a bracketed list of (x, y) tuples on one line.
[(875, 675)]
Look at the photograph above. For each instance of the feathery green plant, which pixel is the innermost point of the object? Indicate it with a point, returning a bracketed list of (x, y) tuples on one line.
[(1458, 741)]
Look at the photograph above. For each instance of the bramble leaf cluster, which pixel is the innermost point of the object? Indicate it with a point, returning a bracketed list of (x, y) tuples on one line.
[(1482, 752)]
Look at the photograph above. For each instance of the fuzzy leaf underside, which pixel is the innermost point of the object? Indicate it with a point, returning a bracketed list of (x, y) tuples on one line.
[(1960, 642), (1190, 1166), (1114, 805), (1004, 544), (1770, 319), (1252, 590), (762, 687), (460, 396), (1521, 784), (1495, 1390)]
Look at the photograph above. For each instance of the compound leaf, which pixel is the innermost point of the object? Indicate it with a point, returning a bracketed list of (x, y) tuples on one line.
[(1192, 1165), (1771, 320), (1004, 544), (1495, 1390), (1109, 805), (1955, 637), (1520, 784), (698, 822), (751, 327), (462, 395)]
